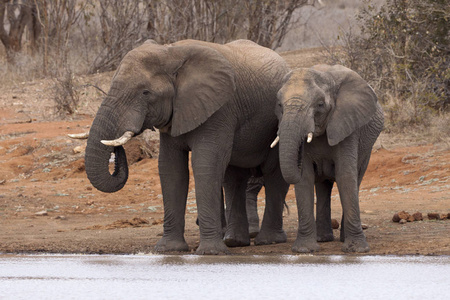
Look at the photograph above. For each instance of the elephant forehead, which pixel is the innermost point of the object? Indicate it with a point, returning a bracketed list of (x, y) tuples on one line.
[(146, 57), (294, 87)]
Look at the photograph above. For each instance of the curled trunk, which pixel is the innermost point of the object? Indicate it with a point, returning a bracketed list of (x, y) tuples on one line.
[(98, 155)]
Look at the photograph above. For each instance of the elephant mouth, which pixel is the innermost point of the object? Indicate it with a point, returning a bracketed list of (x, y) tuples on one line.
[(167, 127)]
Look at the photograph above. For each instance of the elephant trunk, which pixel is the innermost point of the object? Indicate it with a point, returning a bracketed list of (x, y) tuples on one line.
[(293, 133), (98, 155)]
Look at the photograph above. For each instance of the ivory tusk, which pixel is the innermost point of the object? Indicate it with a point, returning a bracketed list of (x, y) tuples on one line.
[(120, 141), (275, 142), (80, 136), (310, 136)]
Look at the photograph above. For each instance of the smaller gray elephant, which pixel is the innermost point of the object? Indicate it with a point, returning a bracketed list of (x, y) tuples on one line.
[(329, 120)]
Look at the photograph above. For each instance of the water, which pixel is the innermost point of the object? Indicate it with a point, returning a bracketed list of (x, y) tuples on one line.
[(223, 277)]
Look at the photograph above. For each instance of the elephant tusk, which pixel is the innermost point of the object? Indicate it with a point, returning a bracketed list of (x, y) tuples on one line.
[(80, 136), (120, 141), (275, 142), (309, 139)]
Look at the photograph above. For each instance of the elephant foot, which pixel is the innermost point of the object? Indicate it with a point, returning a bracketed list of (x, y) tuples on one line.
[(325, 237), (266, 237), (212, 247), (253, 230), (305, 245), (236, 239), (358, 245), (167, 245)]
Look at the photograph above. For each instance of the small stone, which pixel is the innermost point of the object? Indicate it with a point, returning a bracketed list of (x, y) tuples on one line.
[(396, 218), (443, 217), (448, 216), (364, 226), (403, 221), (433, 216), (41, 213), (417, 216), (334, 224), (61, 218), (78, 149)]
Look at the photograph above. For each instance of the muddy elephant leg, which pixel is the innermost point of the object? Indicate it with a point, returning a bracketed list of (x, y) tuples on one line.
[(304, 193), (323, 211), (209, 169), (276, 189), (235, 183), (174, 175), (347, 182)]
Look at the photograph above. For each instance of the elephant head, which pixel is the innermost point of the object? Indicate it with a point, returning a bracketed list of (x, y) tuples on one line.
[(331, 100), (174, 88)]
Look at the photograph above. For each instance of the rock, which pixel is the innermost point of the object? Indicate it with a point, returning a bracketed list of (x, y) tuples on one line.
[(396, 218), (404, 215), (364, 226), (403, 221), (443, 217), (78, 149), (61, 218), (334, 224), (417, 216), (448, 216), (41, 213), (433, 216)]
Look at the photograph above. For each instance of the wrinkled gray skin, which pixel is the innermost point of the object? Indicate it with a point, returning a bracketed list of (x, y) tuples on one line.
[(213, 100), (342, 112)]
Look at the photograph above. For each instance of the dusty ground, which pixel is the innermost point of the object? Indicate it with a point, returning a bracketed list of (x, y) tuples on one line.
[(48, 205)]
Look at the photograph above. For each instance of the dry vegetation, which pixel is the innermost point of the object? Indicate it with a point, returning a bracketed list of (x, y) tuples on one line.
[(403, 50), (401, 47)]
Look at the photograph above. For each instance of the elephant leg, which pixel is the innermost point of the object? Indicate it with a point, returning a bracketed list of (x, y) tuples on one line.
[(254, 185), (276, 189), (235, 183), (347, 182), (174, 176), (222, 212), (209, 169), (304, 193), (362, 169), (323, 211), (342, 232)]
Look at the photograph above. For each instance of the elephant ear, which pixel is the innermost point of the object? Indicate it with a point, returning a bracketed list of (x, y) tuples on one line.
[(205, 81), (355, 104)]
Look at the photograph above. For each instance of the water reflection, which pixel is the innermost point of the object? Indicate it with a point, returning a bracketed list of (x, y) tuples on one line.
[(221, 277)]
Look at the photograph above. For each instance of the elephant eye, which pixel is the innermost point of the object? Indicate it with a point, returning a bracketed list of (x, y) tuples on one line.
[(146, 92), (321, 104)]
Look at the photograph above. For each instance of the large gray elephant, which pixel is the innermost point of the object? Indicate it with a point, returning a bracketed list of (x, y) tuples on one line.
[(329, 120), (216, 101)]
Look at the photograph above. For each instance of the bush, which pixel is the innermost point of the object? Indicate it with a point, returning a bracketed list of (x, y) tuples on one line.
[(66, 95), (404, 53)]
